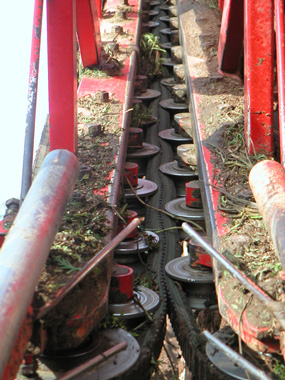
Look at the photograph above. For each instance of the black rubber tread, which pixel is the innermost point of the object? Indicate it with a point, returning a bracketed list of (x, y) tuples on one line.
[(183, 321)]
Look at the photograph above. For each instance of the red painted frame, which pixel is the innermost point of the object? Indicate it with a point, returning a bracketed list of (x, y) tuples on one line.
[(258, 64), (280, 59), (231, 37), (61, 25), (88, 31)]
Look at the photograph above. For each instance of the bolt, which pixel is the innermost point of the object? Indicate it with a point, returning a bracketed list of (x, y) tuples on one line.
[(93, 129), (121, 15), (117, 29), (102, 96)]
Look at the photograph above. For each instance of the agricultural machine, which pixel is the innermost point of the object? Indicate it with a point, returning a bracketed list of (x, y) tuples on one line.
[(157, 189)]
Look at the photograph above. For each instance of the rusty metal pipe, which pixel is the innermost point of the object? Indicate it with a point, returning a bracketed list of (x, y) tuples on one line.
[(267, 182), (32, 100), (89, 267), (28, 243), (236, 358)]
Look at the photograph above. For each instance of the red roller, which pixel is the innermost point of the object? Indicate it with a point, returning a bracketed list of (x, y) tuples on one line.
[(121, 288), (267, 181), (131, 170)]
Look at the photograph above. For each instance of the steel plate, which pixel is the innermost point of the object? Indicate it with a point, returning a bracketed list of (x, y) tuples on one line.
[(221, 361), (168, 62), (169, 104), (179, 269), (154, 3), (164, 19), (166, 31), (147, 297), (170, 135), (177, 207), (167, 46), (147, 150), (148, 95), (145, 123), (153, 13), (145, 188), (111, 368), (173, 169), (136, 245), (153, 24)]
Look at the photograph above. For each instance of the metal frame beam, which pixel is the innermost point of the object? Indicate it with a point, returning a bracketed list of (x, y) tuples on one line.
[(88, 13), (258, 65), (61, 25)]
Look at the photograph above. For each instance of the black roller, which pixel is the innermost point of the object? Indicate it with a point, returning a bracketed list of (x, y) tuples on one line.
[(148, 298), (144, 189), (169, 105), (178, 208), (148, 96), (171, 136), (128, 251), (96, 344), (179, 269)]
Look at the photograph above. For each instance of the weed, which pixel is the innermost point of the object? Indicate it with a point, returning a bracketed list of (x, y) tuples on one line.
[(64, 264)]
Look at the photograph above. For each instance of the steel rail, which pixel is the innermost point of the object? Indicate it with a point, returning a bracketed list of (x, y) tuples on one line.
[(236, 358), (28, 243), (89, 267), (280, 63), (277, 308), (32, 100)]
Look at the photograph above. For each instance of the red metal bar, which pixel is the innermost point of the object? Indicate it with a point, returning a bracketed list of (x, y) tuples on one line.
[(32, 99), (28, 243), (280, 58), (61, 26), (258, 64), (221, 4), (88, 31), (231, 37)]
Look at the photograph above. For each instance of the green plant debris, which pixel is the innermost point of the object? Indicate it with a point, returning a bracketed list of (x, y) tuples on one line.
[(152, 55), (140, 114)]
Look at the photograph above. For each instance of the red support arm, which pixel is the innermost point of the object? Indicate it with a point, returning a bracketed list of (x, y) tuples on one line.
[(231, 37), (61, 25), (258, 50), (280, 57), (88, 13)]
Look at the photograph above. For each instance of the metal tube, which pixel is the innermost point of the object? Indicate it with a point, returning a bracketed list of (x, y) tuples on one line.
[(275, 307), (89, 267), (32, 100), (28, 243), (280, 58), (236, 358), (90, 364), (267, 182)]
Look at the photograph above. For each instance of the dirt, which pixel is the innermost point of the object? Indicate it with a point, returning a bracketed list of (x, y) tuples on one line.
[(171, 364)]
